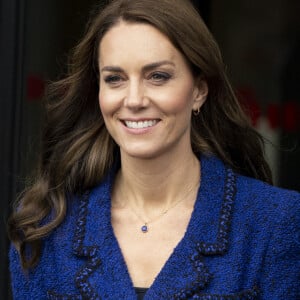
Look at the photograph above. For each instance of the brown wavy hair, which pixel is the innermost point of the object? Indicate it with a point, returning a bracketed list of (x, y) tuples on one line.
[(77, 149)]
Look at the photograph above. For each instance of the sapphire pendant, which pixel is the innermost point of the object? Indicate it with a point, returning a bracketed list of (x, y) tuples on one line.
[(144, 228)]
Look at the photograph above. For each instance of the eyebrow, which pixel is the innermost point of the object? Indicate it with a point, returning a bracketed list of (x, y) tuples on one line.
[(147, 67)]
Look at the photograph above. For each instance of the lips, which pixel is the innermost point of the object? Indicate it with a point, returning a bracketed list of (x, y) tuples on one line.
[(140, 124)]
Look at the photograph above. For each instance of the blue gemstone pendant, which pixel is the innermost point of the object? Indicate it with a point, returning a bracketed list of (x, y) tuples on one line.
[(144, 228)]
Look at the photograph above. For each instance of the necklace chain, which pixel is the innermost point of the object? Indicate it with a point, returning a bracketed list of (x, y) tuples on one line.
[(145, 227)]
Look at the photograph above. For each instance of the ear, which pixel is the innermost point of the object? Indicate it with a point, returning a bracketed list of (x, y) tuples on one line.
[(200, 94)]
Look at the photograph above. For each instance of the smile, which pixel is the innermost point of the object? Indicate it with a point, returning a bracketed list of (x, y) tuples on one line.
[(140, 124)]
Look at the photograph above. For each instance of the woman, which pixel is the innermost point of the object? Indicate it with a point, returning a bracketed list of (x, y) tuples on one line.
[(152, 182)]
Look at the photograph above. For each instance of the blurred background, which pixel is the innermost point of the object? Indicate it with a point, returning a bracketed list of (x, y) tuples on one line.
[(260, 42)]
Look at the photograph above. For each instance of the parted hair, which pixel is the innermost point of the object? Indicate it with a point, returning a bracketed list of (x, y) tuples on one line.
[(77, 150)]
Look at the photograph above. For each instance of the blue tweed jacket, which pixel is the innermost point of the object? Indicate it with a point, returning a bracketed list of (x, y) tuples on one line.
[(242, 242)]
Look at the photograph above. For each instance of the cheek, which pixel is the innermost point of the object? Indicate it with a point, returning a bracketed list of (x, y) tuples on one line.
[(102, 104), (107, 111), (102, 99), (107, 104), (178, 101)]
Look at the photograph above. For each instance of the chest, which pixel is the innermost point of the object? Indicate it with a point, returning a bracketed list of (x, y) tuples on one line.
[(160, 259), (145, 253)]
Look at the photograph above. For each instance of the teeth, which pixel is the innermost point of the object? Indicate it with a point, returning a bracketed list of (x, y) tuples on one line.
[(140, 124)]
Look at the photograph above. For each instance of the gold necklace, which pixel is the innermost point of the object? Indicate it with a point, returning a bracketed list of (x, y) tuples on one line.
[(145, 226)]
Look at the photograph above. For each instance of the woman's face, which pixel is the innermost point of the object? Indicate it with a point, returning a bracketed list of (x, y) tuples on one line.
[(147, 91)]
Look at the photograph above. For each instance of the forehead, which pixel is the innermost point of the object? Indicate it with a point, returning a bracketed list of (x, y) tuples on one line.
[(138, 42)]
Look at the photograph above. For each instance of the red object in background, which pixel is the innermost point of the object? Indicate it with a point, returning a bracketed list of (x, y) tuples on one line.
[(35, 87), (249, 103), (273, 115), (290, 116)]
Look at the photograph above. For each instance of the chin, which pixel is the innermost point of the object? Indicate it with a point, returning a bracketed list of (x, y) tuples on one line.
[(141, 153)]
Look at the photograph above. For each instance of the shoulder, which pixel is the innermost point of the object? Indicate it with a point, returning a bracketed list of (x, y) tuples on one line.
[(270, 220), (263, 195), (257, 205), (267, 207)]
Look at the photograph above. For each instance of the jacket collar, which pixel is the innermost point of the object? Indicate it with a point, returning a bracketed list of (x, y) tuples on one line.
[(207, 234)]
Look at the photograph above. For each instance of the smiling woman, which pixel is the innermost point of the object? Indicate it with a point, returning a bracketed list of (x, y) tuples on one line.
[(147, 92), (152, 183)]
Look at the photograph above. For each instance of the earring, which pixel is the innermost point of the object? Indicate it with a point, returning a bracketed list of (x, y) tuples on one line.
[(196, 112)]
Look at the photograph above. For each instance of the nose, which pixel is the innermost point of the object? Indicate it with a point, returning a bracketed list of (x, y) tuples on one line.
[(135, 98)]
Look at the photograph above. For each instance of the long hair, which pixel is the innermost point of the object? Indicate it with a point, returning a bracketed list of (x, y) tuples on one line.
[(77, 149)]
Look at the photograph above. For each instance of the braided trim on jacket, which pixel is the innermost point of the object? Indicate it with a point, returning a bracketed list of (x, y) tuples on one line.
[(203, 278), (218, 248), (51, 295), (91, 252)]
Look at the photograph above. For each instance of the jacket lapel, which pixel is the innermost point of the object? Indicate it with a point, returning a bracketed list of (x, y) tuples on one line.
[(185, 275), (89, 252), (104, 274)]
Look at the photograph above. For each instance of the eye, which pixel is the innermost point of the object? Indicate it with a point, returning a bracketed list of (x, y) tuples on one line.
[(160, 77), (112, 79)]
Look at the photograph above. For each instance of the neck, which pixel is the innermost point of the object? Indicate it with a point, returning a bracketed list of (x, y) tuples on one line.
[(154, 184)]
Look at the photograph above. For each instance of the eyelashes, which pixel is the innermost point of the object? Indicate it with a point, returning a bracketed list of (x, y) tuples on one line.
[(160, 76), (156, 78), (112, 79)]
